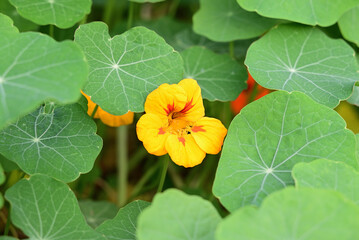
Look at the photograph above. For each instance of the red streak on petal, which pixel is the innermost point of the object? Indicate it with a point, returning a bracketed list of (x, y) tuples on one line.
[(198, 129), (188, 106), (170, 108), (182, 140), (160, 131)]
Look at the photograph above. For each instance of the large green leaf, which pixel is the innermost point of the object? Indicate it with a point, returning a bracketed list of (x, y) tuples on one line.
[(96, 212), (348, 25), (328, 174), (2, 180), (225, 20), (126, 68), (354, 98), (62, 143), (7, 25), (7, 165), (313, 12), (295, 214), (35, 68), (123, 226), (219, 76), (299, 58), (269, 137), (44, 208), (21, 23), (175, 215), (62, 13)]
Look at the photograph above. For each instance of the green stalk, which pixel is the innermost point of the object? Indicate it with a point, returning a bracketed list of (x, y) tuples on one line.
[(7, 225), (231, 49), (131, 12), (107, 16), (51, 30), (166, 159), (122, 165), (136, 158), (94, 111)]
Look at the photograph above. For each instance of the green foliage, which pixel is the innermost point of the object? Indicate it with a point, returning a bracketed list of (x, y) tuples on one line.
[(96, 212), (62, 13), (6, 25), (269, 137), (175, 215), (224, 21), (312, 12), (61, 143), (125, 68), (36, 68), (297, 58), (348, 25), (45, 208), (212, 71), (20, 22), (123, 226), (305, 214), (327, 174)]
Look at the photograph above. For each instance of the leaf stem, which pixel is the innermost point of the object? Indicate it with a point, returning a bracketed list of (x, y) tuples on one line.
[(107, 16), (166, 159), (130, 15), (51, 30), (8, 222), (231, 49), (94, 111), (122, 165)]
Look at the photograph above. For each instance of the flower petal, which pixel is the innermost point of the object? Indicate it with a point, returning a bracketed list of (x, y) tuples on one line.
[(150, 132), (193, 109), (184, 151), (113, 120), (209, 134), (166, 99)]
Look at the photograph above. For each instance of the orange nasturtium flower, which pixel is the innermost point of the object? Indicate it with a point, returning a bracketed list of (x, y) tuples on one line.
[(174, 123), (253, 92), (107, 118)]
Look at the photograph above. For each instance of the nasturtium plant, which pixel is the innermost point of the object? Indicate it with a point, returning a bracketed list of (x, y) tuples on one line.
[(59, 141), (298, 214), (299, 58), (20, 22), (96, 212), (211, 71), (347, 25), (313, 12), (125, 68), (328, 174), (354, 98), (124, 225), (269, 137), (225, 20), (2, 180), (45, 208), (7, 25), (37, 68), (171, 216), (62, 13)]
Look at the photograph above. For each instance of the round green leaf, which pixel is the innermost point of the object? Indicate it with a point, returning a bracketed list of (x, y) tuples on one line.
[(219, 76), (175, 215), (7, 25), (295, 214), (35, 68), (61, 144), (44, 208), (97, 212), (225, 20), (123, 226), (348, 25), (21, 23), (126, 68), (354, 98), (269, 137), (7, 165), (313, 12), (62, 13), (298, 58), (328, 174)]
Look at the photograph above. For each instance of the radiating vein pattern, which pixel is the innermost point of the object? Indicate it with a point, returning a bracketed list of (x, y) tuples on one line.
[(219, 76), (62, 143), (124, 69), (47, 209), (297, 58), (35, 68), (62, 13), (268, 137)]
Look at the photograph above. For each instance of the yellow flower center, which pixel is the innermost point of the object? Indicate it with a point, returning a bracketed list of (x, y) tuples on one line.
[(177, 125)]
